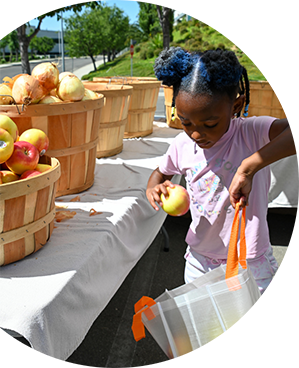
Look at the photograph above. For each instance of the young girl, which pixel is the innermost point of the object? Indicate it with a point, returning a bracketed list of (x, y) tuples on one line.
[(223, 157)]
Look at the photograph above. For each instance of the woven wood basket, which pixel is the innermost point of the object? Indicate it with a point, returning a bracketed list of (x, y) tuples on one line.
[(172, 120), (142, 106), (114, 116), (263, 101), (72, 128), (27, 211)]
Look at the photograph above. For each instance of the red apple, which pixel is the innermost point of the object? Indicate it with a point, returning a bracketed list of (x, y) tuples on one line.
[(8, 176), (24, 157), (178, 201), (29, 174), (10, 126), (43, 167), (6, 145), (36, 137)]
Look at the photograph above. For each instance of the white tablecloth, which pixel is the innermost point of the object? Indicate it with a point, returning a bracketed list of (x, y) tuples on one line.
[(284, 183), (53, 296)]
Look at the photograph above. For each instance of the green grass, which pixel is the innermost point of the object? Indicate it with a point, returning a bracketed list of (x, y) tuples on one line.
[(121, 66), (195, 35)]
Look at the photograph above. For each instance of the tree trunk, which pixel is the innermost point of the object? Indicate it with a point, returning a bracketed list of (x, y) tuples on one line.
[(24, 45), (94, 62), (163, 14), (24, 41)]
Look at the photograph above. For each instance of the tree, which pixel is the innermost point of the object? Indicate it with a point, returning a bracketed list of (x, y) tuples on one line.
[(117, 27), (13, 44), (41, 10), (148, 19), (166, 20), (165, 15), (85, 35), (43, 45), (3, 43)]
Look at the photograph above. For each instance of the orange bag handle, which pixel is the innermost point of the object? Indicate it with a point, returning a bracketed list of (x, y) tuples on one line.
[(233, 260), (137, 325)]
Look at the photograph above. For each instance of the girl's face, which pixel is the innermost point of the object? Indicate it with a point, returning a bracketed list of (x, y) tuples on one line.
[(204, 118)]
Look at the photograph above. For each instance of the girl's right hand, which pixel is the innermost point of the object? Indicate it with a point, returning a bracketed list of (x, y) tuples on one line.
[(153, 194)]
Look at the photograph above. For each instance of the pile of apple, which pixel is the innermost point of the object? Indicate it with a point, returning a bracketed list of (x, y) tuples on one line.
[(45, 85), (20, 155)]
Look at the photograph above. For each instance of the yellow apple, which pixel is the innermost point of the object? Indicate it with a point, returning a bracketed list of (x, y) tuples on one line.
[(6, 145), (177, 202), (8, 176), (36, 137), (43, 167), (9, 125)]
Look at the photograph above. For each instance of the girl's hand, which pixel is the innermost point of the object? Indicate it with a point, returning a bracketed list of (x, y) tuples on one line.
[(240, 188), (153, 194)]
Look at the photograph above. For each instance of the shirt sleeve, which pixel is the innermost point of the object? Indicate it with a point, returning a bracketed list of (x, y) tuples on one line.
[(170, 163), (256, 130)]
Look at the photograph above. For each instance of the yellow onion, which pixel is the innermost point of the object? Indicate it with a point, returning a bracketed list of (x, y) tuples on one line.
[(53, 92), (27, 90), (49, 99), (5, 90), (89, 95), (70, 88), (63, 74), (47, 74)]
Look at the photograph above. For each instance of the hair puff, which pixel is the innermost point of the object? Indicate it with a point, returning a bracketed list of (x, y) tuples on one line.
[(220, 68), (172, 65)]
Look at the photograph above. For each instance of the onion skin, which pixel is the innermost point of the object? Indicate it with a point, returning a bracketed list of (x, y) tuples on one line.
[(27, 90), (89, 95), (70, 88), (47, 74), (5, 90), (63, 74), (49, 99)]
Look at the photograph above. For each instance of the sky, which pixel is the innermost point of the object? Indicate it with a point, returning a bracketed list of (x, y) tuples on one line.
[(130, 8)]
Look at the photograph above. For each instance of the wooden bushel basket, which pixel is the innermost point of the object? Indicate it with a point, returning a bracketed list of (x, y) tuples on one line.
[(27, 211), (172, 121), (114, 116), (72, 128), (142, 106), (263, 101)]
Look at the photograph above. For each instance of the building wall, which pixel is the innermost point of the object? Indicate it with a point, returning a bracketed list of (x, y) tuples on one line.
[(55, 35)]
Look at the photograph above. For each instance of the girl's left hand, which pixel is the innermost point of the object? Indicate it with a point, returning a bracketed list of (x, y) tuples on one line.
[(240, 188)]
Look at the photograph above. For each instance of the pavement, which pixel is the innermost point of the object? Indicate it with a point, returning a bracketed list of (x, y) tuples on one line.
[(109, 342)]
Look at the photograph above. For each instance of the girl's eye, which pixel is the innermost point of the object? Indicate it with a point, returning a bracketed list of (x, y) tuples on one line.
[(211, 126), (185, 123)]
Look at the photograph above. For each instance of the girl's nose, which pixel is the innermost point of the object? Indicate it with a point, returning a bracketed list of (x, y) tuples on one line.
[(196, 135)]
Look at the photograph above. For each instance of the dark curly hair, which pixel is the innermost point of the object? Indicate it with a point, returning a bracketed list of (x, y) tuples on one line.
[(210, 72)]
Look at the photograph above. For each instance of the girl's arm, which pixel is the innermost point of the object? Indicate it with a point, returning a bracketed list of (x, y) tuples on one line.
[(156, 185), (281, 145)]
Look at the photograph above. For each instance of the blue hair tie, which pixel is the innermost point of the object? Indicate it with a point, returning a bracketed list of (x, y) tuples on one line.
[(246, 111)]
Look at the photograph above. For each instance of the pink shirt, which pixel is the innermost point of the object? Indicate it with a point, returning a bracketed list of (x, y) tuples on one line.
[(208, 174)]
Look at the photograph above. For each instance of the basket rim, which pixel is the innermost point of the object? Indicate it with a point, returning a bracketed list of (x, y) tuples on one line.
[(33, 184), (56, 108), (112, 88)]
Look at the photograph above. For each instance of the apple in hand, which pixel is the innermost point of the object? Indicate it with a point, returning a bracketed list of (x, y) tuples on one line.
[(36, 137), (6, 145), (29, 174), (25, 157), (10, 126), (177, 202), (7, 176)]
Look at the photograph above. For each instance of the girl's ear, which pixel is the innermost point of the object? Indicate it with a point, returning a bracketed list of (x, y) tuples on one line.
[(238, 104)]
